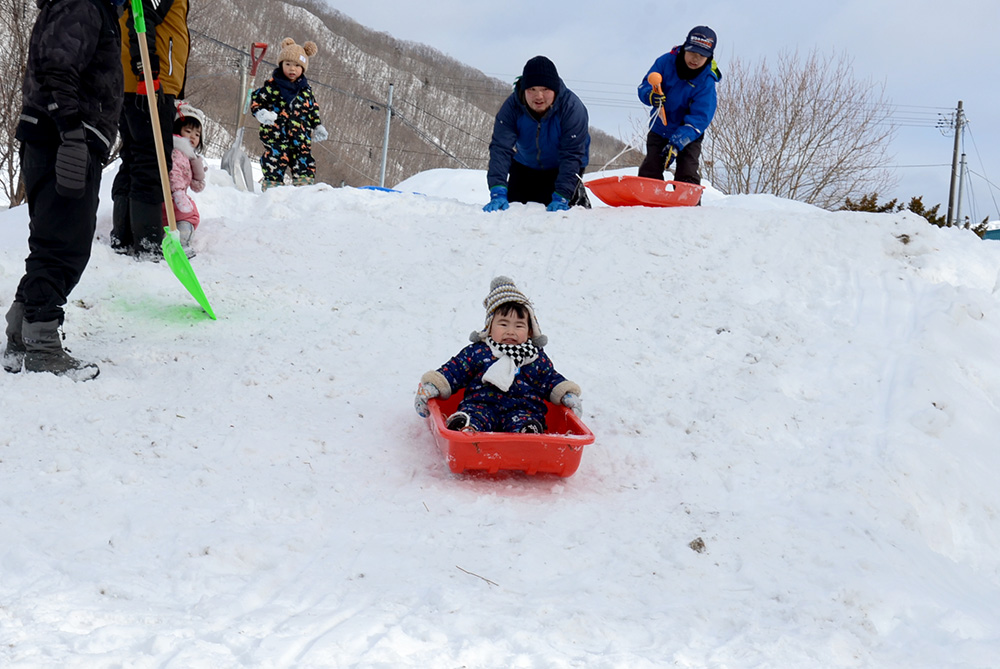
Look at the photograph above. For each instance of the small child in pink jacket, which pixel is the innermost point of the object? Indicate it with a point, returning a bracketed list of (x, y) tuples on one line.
[(188, 170)]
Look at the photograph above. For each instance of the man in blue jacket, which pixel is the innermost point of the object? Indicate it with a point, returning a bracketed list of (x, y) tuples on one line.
[(687, 97), (541, 143)]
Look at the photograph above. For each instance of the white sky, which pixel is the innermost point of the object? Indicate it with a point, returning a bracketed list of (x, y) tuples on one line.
[(928, 55)]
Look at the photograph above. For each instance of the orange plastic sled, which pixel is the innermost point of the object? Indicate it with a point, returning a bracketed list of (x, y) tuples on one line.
[(556, 452), (630, 191)]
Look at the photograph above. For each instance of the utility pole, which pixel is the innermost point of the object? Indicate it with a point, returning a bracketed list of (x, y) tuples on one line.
[(961, 189), (954, 165), (385, 139)]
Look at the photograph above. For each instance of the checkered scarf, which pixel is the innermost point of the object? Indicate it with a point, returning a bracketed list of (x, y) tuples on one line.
[(517, 352), (509, 358)]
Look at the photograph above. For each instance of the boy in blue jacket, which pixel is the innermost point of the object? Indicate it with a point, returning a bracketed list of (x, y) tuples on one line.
[(505, 373), (541, 143), (688, 98)]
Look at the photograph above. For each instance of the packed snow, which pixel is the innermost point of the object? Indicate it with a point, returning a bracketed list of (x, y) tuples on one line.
[(796, 416)]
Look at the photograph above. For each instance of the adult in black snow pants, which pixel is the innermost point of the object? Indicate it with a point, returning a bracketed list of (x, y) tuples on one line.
[(72, 95), (137, 220)]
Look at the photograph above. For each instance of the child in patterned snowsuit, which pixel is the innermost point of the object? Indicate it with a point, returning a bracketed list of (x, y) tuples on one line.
[(289, 118), (187, 171), (505, 373)]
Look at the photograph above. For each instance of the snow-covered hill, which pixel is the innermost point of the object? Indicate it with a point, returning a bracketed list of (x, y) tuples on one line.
[(815, 396)]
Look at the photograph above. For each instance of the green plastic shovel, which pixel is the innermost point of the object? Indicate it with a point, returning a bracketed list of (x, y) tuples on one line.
[(173, 252)]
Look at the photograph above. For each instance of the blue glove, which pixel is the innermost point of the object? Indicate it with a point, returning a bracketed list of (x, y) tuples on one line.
[(680, 139), (498, 199), (657, 99), (559, 203)]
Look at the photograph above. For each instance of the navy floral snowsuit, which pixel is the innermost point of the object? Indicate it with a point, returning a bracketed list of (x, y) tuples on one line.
[(489, 408), (287, 143)]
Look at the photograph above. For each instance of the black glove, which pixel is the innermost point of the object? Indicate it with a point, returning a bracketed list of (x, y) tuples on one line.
[(72, 160), (657, 99)]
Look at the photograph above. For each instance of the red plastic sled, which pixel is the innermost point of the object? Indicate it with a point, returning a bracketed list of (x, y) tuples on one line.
[(630, 191), (557, 451)]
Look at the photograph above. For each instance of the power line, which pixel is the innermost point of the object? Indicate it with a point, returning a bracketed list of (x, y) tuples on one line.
[(993, 187)]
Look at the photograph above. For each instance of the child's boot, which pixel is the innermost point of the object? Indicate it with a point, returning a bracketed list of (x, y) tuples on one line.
[(531, 427), (44, 353), (268, 183), (458, 421), (304, 180), (13, 353), (185, 230)]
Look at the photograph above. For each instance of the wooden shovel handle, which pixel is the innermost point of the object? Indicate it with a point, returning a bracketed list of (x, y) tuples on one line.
[(154, 119)]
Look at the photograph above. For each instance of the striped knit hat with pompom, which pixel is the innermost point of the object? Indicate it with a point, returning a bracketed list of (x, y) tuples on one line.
[(503, 290)]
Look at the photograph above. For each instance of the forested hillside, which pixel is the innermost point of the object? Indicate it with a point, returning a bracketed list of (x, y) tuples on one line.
[(442, 110)]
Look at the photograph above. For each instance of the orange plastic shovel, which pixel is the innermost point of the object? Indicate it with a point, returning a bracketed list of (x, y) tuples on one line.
[(655, 78)]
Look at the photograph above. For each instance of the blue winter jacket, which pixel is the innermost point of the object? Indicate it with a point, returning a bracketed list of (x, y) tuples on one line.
[(535, 381), (690, 105), (560, 139)]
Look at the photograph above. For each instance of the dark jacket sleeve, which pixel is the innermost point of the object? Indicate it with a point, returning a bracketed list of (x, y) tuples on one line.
[(502, 144), (260, 99), (153, 11), (574, 144), (542, 374), (312, 115), (469, 364), (66, 46)]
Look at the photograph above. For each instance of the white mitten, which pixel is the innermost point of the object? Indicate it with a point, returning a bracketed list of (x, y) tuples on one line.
[(198, 168), (320, 134), (573, 402), (182, 201), (265, 117), (426, 391)]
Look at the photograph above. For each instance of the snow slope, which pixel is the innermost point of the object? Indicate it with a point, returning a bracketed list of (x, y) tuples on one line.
[(814, 396)]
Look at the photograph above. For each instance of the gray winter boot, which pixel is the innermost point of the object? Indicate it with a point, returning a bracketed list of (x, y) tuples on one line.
[(44, 353), (13, 353), (185, 230)]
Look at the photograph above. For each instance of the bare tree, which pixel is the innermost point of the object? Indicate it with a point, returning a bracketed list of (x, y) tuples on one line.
[(806, 130), (16, 20)]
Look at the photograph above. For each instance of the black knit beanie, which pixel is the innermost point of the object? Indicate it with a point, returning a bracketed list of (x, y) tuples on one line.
[(540, 71)]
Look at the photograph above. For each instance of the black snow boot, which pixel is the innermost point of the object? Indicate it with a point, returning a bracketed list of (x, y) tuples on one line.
[(44, 353), (458, 421), (532, 427), (147, 229), (13, 353), (121, 227)]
